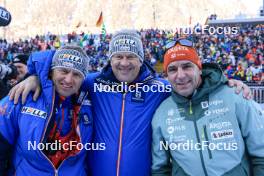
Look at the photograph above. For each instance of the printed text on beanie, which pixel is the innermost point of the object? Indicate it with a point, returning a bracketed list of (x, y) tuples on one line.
[(70, 58), (127, 41), (179, 52)]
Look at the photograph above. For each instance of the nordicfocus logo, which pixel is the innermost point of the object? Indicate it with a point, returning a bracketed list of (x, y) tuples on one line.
[(191, 145), (57, 145), (135, 88), (206, 29)]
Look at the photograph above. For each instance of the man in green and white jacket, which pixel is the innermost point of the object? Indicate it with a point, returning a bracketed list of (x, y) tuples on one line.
[(204, 128)]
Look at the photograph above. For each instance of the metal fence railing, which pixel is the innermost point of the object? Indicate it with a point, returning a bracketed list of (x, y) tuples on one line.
[(258, 92)]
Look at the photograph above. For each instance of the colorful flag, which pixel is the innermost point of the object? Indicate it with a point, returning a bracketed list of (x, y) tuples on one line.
[(100, 20)]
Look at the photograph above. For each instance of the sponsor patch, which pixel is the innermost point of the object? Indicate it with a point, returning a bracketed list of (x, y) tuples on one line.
[(220, 125), (176, 138), (177, 48), (206, 104), (125, 42), (70, 58), (81, 97), (176, 128), (179, 127), (216, 111), (86, 120), (87, 103), (34, 112), (173, 121), (138, 96), (224, 134)]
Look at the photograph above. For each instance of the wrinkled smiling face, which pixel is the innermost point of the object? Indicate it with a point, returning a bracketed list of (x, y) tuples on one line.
[(66, 81), (21, 69), (184, 77), (125, 66)]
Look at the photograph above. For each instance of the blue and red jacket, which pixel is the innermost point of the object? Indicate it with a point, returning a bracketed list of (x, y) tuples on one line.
[(24, 127)]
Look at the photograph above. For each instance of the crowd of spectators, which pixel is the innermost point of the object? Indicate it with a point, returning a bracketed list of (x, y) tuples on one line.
[(240, 55)]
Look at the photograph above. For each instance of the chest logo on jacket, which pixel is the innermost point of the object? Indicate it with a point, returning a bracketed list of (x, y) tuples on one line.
[(206, 104), (138, 97), (34, 112), (222, 134)]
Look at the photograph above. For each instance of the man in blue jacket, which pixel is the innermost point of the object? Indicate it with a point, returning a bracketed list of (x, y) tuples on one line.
[(49, 136), (125, 96)]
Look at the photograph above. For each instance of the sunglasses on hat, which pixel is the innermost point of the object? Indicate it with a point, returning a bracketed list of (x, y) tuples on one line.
[(182, 41)]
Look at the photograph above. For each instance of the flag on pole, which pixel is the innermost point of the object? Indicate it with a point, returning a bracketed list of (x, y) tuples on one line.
[(100, 20), (103, 31)]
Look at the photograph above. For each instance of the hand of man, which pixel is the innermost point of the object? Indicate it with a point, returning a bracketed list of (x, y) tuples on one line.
[(240, 86), (23, 88)]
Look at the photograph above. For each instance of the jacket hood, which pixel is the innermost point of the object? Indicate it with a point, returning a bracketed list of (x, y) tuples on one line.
[(39, 64), (212, 78)]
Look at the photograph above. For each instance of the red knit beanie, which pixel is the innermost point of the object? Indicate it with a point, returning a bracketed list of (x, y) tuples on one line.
[(180, 52)]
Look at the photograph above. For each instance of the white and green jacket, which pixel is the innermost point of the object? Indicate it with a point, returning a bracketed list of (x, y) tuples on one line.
[(216, 132)]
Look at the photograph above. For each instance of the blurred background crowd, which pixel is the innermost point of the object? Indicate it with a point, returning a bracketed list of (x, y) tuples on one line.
[(240, 55)]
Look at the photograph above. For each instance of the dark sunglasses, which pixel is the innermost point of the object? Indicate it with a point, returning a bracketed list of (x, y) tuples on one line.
[(183, 42)]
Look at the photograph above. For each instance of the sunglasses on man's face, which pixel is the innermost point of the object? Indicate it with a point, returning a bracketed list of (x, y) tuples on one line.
[(183, 42)]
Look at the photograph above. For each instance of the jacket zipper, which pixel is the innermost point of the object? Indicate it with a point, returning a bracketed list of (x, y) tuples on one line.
[(190, 108), (198, 139), (43, 134), (55, 170), (120, 136), (207, 140), (200, 151)]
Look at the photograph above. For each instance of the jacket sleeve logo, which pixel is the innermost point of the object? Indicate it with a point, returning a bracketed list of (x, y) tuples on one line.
[(34, 112)]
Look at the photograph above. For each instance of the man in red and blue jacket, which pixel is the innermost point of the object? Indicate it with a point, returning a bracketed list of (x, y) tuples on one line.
[(44, 137)]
